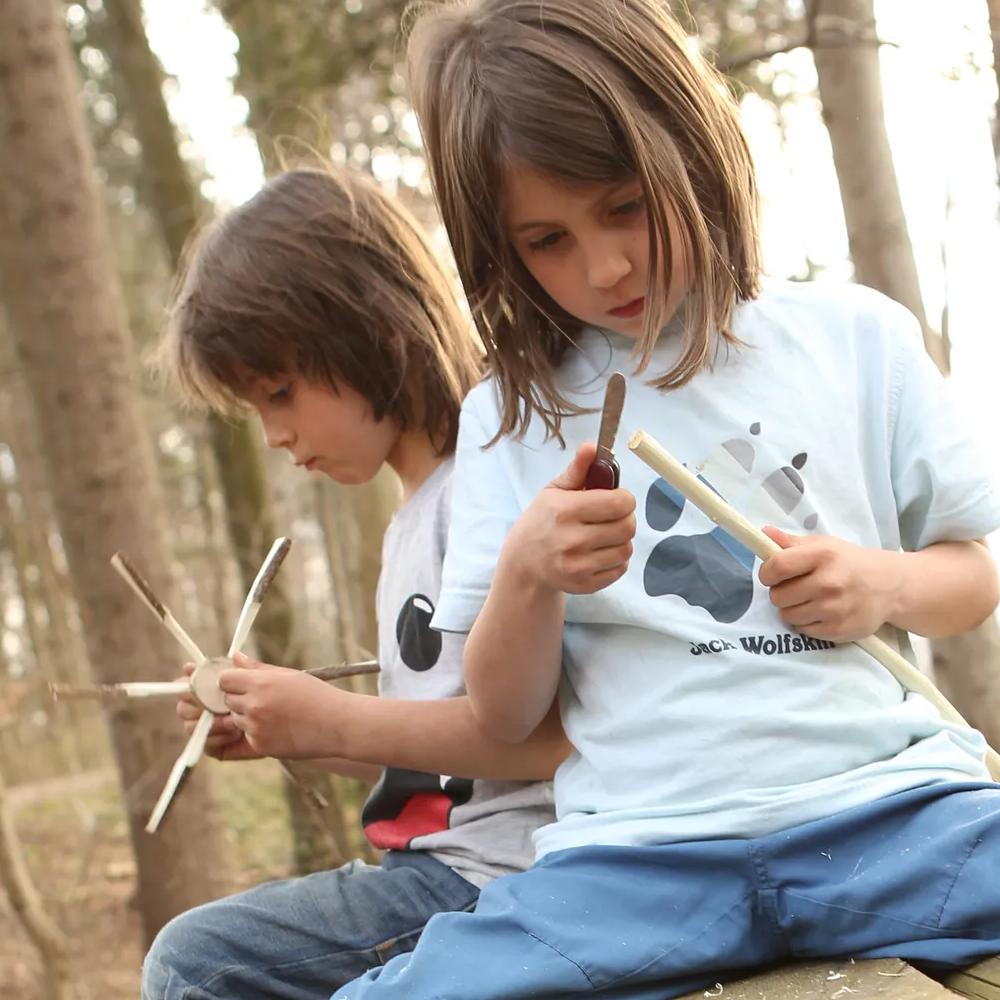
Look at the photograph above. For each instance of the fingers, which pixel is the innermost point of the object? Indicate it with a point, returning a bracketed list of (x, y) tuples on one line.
[(791, 563), (600, 506)]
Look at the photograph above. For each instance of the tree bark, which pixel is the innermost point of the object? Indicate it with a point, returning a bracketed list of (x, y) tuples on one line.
[(69, 326), (994, 14), (967, 667), (846, 53), (178, 208)]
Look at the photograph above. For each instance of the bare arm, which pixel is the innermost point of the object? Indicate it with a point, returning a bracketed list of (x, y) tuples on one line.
[(279, 712), (568, 541), (945, 589), (443, 737)]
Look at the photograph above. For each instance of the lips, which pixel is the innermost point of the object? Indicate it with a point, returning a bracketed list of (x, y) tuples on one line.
[(630, 310)]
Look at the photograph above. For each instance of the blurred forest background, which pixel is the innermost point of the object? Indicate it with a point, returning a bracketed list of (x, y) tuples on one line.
[(100, 187)]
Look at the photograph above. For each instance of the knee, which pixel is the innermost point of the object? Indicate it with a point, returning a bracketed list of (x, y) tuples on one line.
[(170, 970)]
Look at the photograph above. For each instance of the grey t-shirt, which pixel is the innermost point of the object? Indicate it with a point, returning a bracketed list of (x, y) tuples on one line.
[(481, 829)]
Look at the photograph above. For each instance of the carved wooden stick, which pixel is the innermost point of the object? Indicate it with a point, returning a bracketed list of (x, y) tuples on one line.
[(258, 589), (124, 568), (716, 509), (115, 692)]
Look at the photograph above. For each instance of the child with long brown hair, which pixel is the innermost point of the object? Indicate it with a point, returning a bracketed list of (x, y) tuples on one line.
[(746, 785), (319, 307)]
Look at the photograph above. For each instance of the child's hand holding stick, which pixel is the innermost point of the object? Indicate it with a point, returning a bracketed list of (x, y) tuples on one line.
[(717, 510)]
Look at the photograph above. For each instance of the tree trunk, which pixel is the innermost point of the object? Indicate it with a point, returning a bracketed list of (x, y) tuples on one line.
[(177, 208), (69, 326), (967, 667), (994, 12)]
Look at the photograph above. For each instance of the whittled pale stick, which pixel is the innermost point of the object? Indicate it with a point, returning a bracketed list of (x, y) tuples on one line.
[(113, 692), (716, 509), (173, 689), (190, 756), (124, 568), (270, 566)]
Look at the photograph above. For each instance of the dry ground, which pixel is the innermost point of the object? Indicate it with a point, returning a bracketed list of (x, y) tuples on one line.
[(74, 836)]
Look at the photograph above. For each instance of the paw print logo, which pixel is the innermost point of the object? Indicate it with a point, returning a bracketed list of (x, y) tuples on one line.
[(710, 569)]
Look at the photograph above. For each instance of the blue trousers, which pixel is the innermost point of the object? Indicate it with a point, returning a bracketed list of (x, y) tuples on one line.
[(914, 876), (302, 938)]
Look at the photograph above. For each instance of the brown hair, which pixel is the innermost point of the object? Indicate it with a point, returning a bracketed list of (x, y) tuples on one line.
[(587, 90), (324, 275)]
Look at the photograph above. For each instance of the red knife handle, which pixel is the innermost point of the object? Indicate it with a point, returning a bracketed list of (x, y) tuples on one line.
[(602, 475)]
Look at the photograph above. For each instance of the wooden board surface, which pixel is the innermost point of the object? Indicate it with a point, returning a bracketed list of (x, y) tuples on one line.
[(886, 979)]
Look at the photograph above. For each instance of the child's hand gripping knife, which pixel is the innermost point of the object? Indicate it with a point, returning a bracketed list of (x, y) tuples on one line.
[(568, 541)]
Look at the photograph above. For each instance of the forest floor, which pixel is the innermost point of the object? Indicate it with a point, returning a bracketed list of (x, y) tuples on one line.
[(75, 838)]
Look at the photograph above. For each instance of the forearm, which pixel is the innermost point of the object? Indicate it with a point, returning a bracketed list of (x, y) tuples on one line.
[(513, 655), (945, 589), (443, 737), (362, 770)]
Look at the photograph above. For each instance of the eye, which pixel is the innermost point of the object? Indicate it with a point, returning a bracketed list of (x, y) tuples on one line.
[(281, 394), (547, 241), (629, 207)]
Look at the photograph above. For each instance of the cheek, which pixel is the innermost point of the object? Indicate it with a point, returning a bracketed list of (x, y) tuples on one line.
[(554, 276)]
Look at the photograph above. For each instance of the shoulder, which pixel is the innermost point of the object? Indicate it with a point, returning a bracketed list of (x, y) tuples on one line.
[(840, 304), (847, 319)]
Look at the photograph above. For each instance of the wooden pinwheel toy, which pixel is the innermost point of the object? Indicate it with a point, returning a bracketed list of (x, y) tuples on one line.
[(203, 684)]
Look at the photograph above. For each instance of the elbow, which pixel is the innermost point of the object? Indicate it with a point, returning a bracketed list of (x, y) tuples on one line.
[(989, 592), (500, 724)]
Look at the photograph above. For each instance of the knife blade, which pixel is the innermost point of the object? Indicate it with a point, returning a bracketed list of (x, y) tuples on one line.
[(604, 473)]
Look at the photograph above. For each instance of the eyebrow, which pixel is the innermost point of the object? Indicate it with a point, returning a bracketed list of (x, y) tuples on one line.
[(543, 223)]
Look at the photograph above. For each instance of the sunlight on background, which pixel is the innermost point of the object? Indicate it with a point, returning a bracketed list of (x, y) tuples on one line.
[(938, 111)]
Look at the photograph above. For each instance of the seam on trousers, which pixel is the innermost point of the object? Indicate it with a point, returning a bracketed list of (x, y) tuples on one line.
[(765, 883), (954, 881), (975, 933), (667, 951), (552, 947)]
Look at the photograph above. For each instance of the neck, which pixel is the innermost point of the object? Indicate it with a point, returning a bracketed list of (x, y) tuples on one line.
[(413, 460)]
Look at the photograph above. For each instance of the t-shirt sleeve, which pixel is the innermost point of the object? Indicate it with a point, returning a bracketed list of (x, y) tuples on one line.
[(483, 509), (943, 492)]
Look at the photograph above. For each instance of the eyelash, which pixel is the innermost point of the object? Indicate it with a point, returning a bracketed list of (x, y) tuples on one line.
[(281, 394), (550, 240)]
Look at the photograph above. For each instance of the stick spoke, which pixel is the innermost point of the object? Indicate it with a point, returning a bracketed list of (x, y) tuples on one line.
[(259, 587), (190, 756), (124, 568)]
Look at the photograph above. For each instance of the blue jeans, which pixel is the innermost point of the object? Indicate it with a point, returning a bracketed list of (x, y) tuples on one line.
[(302, 938), (912, 876)]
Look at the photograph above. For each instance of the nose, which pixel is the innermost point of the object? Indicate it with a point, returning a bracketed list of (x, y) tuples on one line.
[(276, 433), (607, 262)]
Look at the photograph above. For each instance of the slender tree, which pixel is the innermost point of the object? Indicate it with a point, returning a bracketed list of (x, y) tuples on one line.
[(994, 14), (250, 519), (65, 304), (846, 50)]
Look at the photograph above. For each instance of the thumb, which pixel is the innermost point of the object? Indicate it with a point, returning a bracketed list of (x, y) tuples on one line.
[(242, 660), (574, 476), (783, 538)]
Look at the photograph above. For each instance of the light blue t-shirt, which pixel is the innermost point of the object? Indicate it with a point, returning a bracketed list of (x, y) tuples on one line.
[(695, 712)]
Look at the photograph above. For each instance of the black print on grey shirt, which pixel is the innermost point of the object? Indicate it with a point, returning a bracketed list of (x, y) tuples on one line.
[(419, 644)]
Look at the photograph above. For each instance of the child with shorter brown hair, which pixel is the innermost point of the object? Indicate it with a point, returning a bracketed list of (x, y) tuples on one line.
[(746, 786), (318, 306)]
